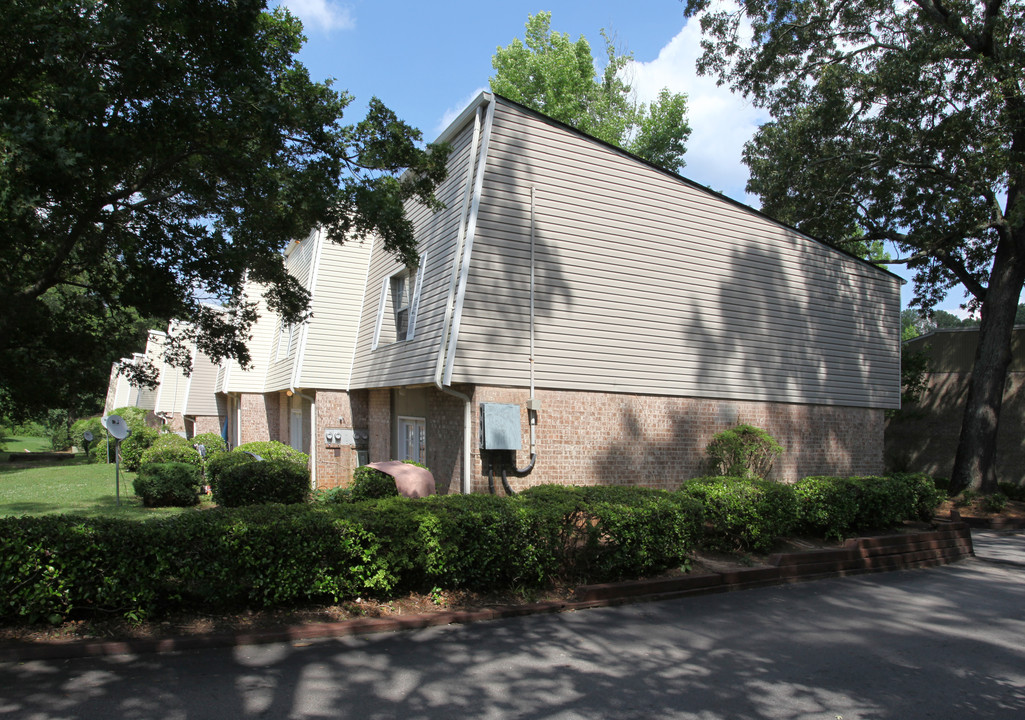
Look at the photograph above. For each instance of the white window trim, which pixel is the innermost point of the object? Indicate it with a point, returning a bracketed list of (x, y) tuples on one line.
[(414, 303), (414, 300)]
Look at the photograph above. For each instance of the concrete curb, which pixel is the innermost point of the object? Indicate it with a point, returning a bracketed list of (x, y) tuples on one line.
[(951, 542)]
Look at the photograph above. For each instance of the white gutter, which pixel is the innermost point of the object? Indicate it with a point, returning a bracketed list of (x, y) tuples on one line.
[(461, 257)]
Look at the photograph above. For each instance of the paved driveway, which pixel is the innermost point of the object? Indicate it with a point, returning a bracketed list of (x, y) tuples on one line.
[(944, 642)]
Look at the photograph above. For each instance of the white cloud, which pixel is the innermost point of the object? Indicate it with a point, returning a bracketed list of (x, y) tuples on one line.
[(322, 15), (453, 111), (721, 122)]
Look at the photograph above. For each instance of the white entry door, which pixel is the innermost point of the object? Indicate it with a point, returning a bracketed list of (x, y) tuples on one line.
[(412, 439)]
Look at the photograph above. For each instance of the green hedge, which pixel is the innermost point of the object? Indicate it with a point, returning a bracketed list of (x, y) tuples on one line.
[(255, 483), (274, 450), (171, 484), (171, 448), (273, 555), (743, 513), (840, 507)]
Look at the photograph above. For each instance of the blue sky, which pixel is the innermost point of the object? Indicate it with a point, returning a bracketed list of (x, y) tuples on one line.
[(426, 61)]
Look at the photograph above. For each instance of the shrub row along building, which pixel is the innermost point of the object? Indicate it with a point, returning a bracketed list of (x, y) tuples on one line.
[(577, 314)]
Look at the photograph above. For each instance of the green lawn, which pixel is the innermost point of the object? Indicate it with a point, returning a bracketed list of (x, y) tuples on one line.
[(21, 444), (73, 487)]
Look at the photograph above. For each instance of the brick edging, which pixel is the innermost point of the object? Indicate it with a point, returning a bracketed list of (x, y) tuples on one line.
[(861, 555)]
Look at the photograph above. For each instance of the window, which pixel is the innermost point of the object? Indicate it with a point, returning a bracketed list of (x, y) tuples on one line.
[(400, 304), (284, 341), (400, 300), (412, 439)]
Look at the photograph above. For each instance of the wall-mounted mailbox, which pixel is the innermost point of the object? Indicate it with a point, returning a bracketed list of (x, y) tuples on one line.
[(500, 426)]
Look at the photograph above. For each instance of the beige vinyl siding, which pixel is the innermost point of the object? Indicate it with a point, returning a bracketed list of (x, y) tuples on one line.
[(284, 349), (412, 362), (173, 384), (200, 399), (646, 284), (327, 351), (260, 348)]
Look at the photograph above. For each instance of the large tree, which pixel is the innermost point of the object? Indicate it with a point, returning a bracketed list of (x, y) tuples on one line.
[(152, 154), (556, 76), (904, 122)]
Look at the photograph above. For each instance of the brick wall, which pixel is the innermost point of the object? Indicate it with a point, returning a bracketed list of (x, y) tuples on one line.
[(608, 438), (379, 424), (260, 417), (923, 436), (206, 424), (175, 423), (445, 439), (337, 409)]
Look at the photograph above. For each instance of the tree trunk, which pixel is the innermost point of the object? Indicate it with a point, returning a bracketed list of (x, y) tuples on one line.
[(975, 463)]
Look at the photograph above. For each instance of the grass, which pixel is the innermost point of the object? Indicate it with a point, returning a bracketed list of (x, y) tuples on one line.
[(73, 487), (20, 443)]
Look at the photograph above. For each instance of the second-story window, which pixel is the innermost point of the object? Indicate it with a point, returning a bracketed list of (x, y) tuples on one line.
[(400, 293)]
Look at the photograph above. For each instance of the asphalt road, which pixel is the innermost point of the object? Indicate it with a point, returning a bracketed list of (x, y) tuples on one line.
[(944, 642)]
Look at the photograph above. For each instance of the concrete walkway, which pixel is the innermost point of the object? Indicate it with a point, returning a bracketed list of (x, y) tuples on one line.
[(944, 642)]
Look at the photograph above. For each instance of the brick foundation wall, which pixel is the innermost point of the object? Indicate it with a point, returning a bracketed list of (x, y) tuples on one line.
[(445, 439), (206, 424), (923, 436), (379, 424), (259, 417), (607, 438), (337, 409)]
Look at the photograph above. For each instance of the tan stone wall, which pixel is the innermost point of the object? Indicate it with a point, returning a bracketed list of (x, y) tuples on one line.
[(259, 417), (619, 439), (923, 436)]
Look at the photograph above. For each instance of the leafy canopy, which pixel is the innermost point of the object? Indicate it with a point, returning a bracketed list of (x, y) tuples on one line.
[(154, 153), (556, 76)]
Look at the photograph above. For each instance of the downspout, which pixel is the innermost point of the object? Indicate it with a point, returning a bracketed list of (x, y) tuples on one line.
[(532, 404), (313, 431), (461, 257)]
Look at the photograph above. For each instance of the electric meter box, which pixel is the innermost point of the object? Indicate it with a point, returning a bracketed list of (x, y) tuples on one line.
[(500, 426)]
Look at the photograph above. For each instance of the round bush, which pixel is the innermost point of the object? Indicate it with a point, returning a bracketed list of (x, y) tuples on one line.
[(142, 436), (171, 449), (213, 443), (371, 484), (742, 451), (255, 483), (98, 445), (169, 484), (221, 462), (274, 450)]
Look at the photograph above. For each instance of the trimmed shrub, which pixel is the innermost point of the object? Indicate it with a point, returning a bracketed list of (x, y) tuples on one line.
[(839, 507), (742, 451), (743, 513), (274, 450), (255, 483), (213, 443), (221, 462), (170, 484), (371, 484), (171, 449), (333, 496), (98, 445), (141, 438), (995, 503)]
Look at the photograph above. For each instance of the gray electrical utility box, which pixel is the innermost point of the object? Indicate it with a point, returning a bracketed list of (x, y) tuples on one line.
[(500, 426)]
